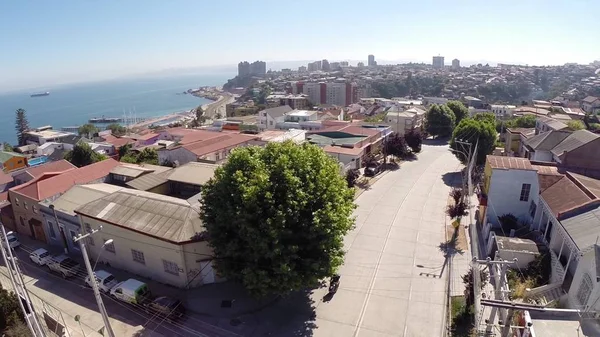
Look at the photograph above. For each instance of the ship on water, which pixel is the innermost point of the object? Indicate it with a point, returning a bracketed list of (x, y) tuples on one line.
[(106, 120), (40, 94)]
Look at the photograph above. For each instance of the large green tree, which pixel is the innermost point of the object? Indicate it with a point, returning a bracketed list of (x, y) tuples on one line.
[(10, 311), (21, 125), (146, 156), (459, 109), (576, 125), (83, 155), (276, 217), (116, 129), (88, 130), (439, 121), (395, 145), (475, 132)]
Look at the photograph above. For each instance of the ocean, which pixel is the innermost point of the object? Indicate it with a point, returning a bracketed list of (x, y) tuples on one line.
[(73, 105)]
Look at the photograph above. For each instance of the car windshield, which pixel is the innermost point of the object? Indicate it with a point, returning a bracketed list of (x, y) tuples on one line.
[(44, 254), (12, 239), (109, 279)]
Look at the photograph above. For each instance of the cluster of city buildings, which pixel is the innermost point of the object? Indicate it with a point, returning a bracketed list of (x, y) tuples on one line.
[(256, 68)]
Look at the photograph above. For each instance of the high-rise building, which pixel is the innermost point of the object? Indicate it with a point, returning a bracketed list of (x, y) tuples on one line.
[(313, 66), (371, 61), (360, 64), (337, 93), (243, 69), (319, 65), (343, 63), (438, 62), (302, 69), (258, 68), (455, 64), (335, 66), (325, 65)]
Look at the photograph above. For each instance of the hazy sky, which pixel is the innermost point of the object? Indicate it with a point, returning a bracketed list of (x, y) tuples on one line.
[(48, 42)]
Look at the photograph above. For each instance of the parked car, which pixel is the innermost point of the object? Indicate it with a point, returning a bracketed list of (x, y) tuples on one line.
[(13, 241), (132, 291), (372, 170), (40, 256), (64, 265), (169, 308), (105, 280)]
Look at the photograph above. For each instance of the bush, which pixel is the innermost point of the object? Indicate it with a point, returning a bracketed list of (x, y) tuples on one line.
[(456, 195), (352, 176), (414, 140), (457, 210)]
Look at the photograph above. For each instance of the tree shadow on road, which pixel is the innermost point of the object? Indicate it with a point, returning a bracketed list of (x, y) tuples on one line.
[(452, 179)]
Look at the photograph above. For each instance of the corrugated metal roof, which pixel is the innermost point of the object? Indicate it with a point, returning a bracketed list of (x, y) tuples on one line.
[(564, 195), (583, 228), (507, 163), (152, 214), (547, 140), (573, 141), (129, 171), (193, 173), (147, 182), (79, 195)]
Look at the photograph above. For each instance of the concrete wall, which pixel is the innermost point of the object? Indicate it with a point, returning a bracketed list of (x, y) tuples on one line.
[(155, 252), (504, 194), (67, 224), (586, 266), (25, 209), (542, 155)]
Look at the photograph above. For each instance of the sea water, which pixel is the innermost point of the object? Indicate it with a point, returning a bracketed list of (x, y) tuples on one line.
[(74, 105)]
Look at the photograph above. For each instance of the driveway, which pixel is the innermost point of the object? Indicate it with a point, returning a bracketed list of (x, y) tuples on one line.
[(393, 281)]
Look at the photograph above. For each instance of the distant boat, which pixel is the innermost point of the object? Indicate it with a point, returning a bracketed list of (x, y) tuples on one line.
[(47, 93)]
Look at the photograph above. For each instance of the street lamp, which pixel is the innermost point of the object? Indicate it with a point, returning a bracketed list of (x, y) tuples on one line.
[(107, 242)]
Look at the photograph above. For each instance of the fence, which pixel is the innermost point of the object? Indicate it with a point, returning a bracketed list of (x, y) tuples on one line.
[(53, 320)]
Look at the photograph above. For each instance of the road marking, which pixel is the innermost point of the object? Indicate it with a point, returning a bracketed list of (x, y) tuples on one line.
[(372, 283)]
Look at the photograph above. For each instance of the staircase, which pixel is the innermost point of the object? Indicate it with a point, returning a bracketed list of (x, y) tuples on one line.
[(545, 295)]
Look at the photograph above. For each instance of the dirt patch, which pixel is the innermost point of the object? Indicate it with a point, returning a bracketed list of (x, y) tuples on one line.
[(460, 242)]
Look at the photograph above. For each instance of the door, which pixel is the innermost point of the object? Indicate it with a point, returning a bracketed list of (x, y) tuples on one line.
[(207, 274), (39, 232)]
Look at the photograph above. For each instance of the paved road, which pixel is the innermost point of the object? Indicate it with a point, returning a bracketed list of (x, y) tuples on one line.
[(392, 282)]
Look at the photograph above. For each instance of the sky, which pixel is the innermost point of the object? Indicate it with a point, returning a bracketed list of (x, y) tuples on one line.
[(53, 42)]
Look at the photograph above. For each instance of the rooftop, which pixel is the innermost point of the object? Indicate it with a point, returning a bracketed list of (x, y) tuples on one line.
[(46, 134), (301, 113), (56, 166), (5, 155), (223, 141), (574, 141), (192, 173), (79, 195), (565, 195), (517, 244), (165, 218), (509, 163), (278, 111), (147, 182), (547, 140)]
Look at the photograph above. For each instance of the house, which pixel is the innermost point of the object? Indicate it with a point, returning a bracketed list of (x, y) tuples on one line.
[(184, 181), (349, 143), (25, 198), (6, 181), (295, 101), (402, 121), (269, 118), (543, 124), (26, 149), (473, 101), (26, 175), (70, 141), (12, 161), (509, 248), (503, 111), (41, 135), (579, 149), (584, 292), (590, 104), (301, 119), (514, 138), (206, 146), (155, 236), (539, 147), (510, 186), (59, 219)]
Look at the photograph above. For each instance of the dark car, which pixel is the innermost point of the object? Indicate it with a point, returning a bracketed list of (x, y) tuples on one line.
[(371, 170), (163, 306)]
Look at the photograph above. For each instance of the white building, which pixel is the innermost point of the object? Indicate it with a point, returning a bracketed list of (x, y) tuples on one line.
[(45, 134), (402, 121), (456, 64), (438, 62), (269, 118), (153, 235), (503, 111), (336, 94), (300, 119), (313, 91)]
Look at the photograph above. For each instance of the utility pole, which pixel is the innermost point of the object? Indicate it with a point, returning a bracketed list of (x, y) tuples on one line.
[(79, 238), (19, 286)]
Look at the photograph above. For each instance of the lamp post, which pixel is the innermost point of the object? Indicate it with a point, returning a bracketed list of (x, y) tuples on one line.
[(79, 238), (107, 242)]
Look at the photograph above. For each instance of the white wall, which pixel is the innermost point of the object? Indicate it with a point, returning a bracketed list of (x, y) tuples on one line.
[(542, 155), (586, 265), (505, 191)]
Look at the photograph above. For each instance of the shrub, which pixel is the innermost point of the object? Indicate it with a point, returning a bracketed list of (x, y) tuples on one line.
[(352, 176)]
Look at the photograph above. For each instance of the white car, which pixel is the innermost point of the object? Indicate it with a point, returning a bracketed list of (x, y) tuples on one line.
[(13, 242), (105, 280), (40, 256)]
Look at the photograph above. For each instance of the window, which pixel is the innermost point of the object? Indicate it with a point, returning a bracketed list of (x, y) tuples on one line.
[(585, 289), (217, 156), (138, 256), (525, 189), (34, 209), (51, 230), (109, 246), (89, 239), (532, 208), (171, 267), (270, 122), (25, 205), (17, 200)]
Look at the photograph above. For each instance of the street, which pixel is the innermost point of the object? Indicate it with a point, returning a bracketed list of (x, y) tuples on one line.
[(393, 282)]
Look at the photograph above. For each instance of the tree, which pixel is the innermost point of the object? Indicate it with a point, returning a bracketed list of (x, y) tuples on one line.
[(148, 156), (396, 146), (7, 147), (482, 133), (199, 113), (414, 139), (439, 121), (83, 155), (21, 125), (460, 110), (10, 311), (276, 217), (576, 125), (88, 130), (469, 284), (352, 176), (527, 121), (124, 150), (116, 129), (485, 117)]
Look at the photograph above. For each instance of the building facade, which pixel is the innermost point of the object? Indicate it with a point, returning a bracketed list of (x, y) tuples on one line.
[(438, 62)]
